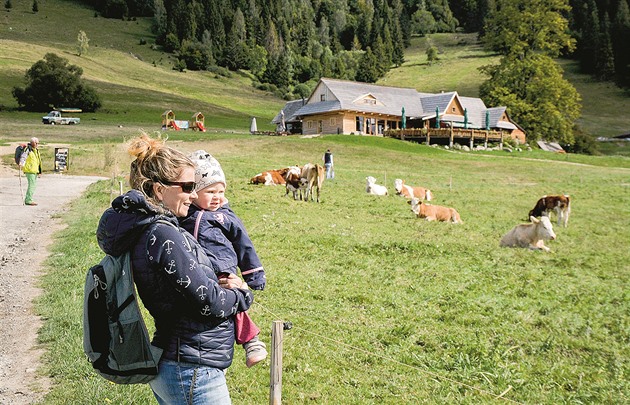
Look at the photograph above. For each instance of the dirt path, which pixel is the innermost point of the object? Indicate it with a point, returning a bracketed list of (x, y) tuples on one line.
[(25, 235)]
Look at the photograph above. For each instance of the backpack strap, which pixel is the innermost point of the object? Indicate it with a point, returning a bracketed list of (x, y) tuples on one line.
[(197, 222)]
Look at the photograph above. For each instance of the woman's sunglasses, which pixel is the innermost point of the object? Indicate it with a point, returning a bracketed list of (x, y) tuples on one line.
[(187, 186)]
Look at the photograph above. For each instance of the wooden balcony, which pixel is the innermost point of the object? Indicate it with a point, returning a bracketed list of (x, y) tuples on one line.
[(451, 135)]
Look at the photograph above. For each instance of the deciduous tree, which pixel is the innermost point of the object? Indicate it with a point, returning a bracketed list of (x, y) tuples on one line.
[(52, 82)]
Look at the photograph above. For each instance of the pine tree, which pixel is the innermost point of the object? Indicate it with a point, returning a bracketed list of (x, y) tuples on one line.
[(620, 35), (367, 71), (605, 62)]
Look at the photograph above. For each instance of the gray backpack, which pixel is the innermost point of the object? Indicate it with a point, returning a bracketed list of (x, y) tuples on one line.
[(115, 338)]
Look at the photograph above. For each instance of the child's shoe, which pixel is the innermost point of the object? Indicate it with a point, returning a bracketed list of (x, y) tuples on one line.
[(255, 352)]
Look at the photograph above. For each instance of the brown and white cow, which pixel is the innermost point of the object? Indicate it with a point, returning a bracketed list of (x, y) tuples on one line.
[(270, 177), (411, 192), (531, 235), (561, 204), (292, 178), (434, 212), (312, 179)]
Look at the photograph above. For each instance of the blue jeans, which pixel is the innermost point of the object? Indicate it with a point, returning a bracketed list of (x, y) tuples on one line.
[(330, 173), (186, 383)]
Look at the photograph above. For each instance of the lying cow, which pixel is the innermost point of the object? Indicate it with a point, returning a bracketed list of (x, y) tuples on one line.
[(531, 235), (312, 179), (411, 192), (373, 188), (270, 177), (434, 212), (561, 204)]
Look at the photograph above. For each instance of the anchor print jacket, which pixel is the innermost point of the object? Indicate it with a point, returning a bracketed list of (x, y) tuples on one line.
[(224, 238), (194, 316)]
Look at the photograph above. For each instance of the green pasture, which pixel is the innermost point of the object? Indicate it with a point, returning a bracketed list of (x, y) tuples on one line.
[(387, 308)]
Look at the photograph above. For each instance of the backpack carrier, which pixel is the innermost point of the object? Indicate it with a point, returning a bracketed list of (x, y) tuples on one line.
[(115, 338), (18, 152)]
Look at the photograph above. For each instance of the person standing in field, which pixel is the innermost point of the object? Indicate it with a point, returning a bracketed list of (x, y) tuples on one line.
[(329, 165), (223, 236), (193, 310), (31, 165)]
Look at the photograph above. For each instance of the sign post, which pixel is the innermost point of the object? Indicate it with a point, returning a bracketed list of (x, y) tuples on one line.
[(61, 159)]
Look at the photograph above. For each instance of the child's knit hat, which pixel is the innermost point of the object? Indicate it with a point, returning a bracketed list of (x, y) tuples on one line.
[(207, 170)]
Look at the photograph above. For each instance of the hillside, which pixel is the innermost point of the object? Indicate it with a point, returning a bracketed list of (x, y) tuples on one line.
[(137, 82)]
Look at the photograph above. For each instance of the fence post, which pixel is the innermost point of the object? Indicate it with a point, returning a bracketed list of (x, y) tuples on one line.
[(275, 387)]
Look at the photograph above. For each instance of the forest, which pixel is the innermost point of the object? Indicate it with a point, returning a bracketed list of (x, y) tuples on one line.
[(288, 42)]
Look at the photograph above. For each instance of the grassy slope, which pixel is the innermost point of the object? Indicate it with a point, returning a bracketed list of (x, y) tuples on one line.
[(134, 91)]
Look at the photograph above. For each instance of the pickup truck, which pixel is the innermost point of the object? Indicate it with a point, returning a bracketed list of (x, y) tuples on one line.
[(54, 117)]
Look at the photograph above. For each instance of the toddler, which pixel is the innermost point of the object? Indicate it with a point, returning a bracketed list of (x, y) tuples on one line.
[(222, 235)]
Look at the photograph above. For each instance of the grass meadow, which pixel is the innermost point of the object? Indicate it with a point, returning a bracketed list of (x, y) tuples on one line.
[(387, 308)]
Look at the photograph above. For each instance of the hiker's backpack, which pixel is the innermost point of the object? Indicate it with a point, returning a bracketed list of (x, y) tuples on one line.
[(115, 337), (18, 152)]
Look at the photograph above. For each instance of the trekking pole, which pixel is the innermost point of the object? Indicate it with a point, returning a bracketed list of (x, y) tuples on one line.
[(21, 190)]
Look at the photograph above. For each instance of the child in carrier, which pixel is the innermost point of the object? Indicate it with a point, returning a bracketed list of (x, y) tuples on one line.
[(222, 235)]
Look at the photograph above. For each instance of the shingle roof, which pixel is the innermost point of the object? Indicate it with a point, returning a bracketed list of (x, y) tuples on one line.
[(289, 112), (390, 100)]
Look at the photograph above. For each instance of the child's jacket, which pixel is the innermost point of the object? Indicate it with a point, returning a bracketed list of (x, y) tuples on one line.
[(226, 242)]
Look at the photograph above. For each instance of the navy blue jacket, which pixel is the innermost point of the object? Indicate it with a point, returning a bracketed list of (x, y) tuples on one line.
[(222, 235), (193, 315)]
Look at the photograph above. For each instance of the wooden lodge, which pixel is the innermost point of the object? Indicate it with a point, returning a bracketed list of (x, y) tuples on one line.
[(347, 107)]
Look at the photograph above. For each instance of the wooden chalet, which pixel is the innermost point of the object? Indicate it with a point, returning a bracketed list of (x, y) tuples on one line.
[(347, 107)]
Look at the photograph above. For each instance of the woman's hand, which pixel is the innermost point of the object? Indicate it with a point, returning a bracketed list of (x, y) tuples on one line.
[(232, 281)]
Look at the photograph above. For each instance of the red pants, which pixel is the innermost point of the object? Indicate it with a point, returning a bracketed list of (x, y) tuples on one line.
[(244, 328)]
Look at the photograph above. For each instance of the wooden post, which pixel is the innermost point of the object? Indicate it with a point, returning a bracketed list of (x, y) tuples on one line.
[(485, 144), (121, 187), (275, 387), (501, 143), (450, 141), (472, 138)]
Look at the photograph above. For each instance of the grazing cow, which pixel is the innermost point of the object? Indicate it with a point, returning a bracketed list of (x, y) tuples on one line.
[(531, 235), (434, 212), (292, 178), (561, 204), (373, 188), (312, 177), (411, 192), (270, 177)]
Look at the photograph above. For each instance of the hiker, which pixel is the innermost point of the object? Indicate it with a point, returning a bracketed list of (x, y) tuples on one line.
[(31, 165), (193, 310), (223, 236), (329, 165)]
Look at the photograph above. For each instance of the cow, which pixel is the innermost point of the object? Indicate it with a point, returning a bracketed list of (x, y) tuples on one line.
[(292, 178), (373, 188), (432, 212), (312, 179), (561, 204), (270, 177), (532, 235), (411, 192)]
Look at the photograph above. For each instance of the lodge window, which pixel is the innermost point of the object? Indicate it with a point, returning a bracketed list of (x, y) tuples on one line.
[(322, 97), (309, 124), (370, 101), (333, 121), (359, 124), (453, 109)]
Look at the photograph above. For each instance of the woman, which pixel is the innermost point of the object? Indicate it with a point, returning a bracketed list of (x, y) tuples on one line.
[(193, 310)]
